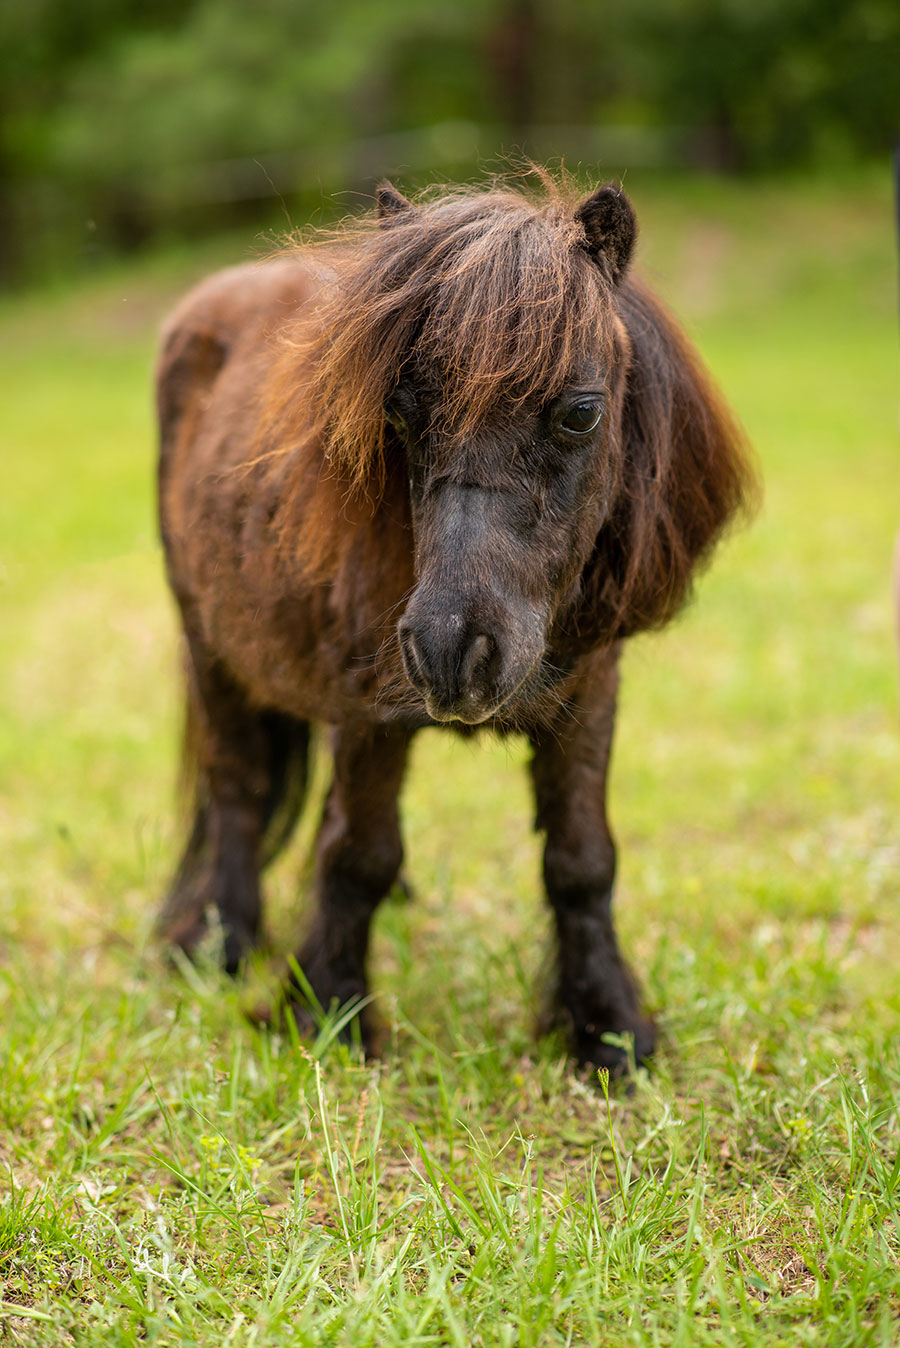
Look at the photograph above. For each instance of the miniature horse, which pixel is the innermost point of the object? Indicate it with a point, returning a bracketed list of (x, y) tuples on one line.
[(431, 471)]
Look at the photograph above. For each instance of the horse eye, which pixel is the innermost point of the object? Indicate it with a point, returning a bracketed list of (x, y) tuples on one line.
[(396, 417), (582, 417)]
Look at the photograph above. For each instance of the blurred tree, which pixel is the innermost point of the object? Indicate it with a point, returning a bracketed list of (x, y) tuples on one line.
[(41, 42), (768, 82)]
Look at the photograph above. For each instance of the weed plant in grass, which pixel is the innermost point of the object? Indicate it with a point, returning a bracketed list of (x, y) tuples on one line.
[(171, 1174)]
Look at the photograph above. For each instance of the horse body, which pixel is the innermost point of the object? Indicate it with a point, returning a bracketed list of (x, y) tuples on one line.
[(433, 476)]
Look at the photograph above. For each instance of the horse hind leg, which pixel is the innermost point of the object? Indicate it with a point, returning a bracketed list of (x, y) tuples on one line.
[(249, 769)]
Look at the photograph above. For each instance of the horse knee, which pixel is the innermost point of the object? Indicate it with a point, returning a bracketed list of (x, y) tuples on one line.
[(369, 870), (578, 873)]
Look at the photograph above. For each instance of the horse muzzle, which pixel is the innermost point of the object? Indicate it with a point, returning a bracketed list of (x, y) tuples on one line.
[(465, 668)]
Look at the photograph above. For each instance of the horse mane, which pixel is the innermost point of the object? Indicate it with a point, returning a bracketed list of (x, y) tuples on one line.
[(495, 290), (687, 471)]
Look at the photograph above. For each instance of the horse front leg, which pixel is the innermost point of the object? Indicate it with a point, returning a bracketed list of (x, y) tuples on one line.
[(595, 992), (359, 852)]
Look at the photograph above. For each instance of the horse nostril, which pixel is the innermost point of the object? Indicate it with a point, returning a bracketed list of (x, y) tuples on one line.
[(413, 658), (475, 670)]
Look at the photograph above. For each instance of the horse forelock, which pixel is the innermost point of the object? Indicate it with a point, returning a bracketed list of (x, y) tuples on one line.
[(492, 293)]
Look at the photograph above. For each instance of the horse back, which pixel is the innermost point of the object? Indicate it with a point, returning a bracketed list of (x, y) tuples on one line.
[(228, 321)]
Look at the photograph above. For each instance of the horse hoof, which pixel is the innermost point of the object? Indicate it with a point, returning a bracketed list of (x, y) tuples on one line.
[(593, 1050), (184, 932), (356, 1031)]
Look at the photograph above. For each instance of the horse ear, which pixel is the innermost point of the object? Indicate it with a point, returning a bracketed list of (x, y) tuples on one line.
[(389, 203), (610, 229)]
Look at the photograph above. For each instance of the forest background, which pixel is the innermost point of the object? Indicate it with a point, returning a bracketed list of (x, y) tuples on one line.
[(122, 124)]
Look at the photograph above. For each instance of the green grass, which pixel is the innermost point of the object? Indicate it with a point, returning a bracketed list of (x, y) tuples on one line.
[(170, 1175)]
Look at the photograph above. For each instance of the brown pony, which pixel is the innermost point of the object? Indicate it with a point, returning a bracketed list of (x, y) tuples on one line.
[(432, 471)]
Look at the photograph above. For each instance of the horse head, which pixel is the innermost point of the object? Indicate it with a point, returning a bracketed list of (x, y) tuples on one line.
[(506, 414)]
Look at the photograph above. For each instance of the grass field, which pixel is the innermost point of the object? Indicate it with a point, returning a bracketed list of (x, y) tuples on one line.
[(170, 1175)]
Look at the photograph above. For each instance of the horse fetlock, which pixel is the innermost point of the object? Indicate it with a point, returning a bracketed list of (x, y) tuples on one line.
[(238, 941), (598, 997), (190, 925)]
